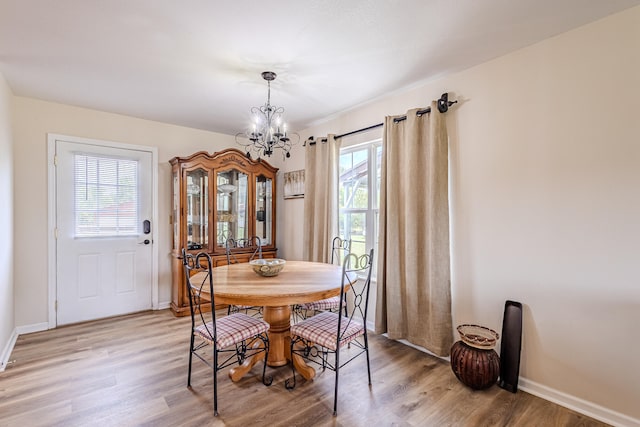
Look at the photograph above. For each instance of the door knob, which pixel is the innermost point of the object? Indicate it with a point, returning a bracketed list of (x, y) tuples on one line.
[(145, 242)]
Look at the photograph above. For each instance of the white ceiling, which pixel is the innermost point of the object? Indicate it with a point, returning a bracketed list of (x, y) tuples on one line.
[(197, 63)]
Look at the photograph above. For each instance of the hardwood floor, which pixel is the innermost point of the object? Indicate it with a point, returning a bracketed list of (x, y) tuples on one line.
[(132, 371)]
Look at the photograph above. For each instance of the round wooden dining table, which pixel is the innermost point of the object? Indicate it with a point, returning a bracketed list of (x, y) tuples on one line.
[(298, 282)]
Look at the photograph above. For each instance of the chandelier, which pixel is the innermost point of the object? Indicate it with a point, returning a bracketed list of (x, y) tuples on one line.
[(268, 130)]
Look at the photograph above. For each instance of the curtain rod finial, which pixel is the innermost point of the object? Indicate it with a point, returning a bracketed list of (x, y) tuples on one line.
[(444, 103)]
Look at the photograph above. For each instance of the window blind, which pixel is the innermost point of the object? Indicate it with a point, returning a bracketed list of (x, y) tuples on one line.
[(106, 196)]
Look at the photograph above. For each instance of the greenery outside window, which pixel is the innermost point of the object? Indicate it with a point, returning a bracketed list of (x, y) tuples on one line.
[(359, 194)]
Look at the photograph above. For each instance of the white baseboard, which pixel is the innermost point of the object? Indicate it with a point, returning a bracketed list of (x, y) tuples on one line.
[(20, 330), (163, 305), (424, 350), (584, 407), (371, 326), (8, 349), (36, 327)]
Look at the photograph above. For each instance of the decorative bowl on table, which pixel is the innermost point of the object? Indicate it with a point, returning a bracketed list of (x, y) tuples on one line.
[(267, 267), (478, 336)]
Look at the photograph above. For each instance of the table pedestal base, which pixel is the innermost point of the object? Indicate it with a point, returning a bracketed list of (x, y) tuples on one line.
[(279, 322), (236, 373), (279, 319)]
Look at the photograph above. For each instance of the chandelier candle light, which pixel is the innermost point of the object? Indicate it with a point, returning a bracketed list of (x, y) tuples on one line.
[(268, 130)]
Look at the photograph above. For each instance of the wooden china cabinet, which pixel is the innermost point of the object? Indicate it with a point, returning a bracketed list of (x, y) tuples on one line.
[(215, 197)]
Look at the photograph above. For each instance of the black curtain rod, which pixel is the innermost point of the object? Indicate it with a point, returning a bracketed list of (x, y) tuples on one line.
[(363, 129), (443, 107)]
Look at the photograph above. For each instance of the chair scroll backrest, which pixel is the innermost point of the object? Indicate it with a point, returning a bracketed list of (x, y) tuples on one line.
[(354, 269), (232, 246), (340, 248), (197, 286)]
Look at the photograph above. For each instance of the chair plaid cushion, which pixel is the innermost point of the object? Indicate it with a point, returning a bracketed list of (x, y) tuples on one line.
[(322, 329), (323, 304), (233, 329)]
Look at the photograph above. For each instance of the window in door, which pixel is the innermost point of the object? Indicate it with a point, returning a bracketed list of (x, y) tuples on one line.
[(106, 196)]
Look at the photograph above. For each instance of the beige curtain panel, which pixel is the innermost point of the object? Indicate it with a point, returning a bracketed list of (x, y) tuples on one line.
[(320, 199), (414, 280)]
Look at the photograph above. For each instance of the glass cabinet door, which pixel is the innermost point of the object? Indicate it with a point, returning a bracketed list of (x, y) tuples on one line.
[(197, 209), (264, 209), (175, 210), (231, 206)]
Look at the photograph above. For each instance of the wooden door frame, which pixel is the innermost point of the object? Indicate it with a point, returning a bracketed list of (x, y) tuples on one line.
[(52, 215)]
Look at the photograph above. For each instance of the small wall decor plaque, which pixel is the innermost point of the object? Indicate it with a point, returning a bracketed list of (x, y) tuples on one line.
[(294, 184)]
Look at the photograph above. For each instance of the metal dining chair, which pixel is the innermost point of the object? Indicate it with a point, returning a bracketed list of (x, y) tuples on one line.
[(321, 338), (232, 338), (340, 248), (252, 245)]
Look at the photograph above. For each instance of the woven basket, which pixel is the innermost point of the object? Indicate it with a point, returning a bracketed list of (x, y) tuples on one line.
[(478, 336), (478, 369)]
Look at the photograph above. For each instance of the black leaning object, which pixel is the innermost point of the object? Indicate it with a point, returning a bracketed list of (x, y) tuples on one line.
[(511, 346)]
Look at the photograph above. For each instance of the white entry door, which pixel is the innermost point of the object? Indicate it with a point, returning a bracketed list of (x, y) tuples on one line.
[(104, 241)]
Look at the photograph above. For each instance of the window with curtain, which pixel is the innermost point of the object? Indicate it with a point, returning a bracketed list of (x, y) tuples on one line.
[(106, 196), (359, 194)]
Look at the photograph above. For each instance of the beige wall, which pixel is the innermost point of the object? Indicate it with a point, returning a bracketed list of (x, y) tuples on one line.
[(33, 120), (544, 196), (545, 178), (7, 323)]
